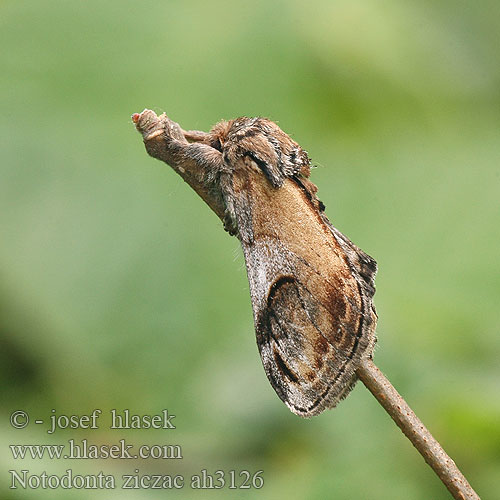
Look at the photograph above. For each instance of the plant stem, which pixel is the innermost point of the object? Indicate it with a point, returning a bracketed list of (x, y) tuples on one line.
[(415, 431)]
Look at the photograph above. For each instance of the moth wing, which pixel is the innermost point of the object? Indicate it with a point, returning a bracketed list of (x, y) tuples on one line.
[(305, 349), (312, 307)]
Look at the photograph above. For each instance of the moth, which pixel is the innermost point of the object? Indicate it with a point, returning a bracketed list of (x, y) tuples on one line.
[(311, 288)]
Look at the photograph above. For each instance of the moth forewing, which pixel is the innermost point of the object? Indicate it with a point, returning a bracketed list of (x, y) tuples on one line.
[(314, 320)]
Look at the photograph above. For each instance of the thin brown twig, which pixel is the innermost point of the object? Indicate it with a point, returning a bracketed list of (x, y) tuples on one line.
[(415, 431)]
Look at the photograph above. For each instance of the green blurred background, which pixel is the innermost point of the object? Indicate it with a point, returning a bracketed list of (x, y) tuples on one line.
[(119, 288)]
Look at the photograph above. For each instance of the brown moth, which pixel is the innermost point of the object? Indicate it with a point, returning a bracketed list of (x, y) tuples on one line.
[(311, 287)]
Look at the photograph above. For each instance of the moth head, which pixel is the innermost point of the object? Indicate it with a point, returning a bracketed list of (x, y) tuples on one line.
[(272, 151), (219, 134)]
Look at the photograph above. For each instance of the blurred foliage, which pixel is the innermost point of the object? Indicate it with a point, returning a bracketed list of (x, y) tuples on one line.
[(119, 288)]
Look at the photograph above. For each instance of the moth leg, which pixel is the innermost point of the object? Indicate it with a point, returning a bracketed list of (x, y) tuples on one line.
[(197, 136), (230, 220)]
